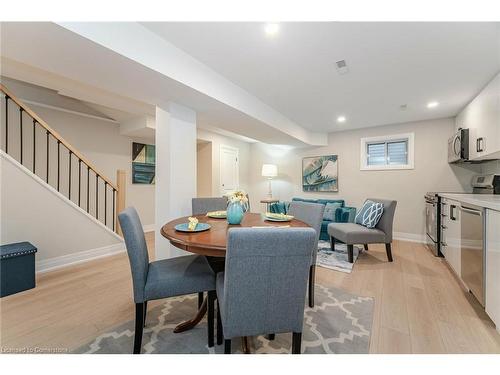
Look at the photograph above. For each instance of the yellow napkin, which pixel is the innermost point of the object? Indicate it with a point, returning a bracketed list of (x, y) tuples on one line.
[(217, 213), (193, 222), (278, 216)]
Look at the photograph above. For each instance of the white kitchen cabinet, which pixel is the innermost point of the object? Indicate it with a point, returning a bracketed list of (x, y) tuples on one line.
[(493, 266), (451, 233), (445, 204), (482, 117)]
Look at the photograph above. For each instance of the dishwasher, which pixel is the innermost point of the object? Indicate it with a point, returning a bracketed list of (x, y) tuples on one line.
[(472, 249)]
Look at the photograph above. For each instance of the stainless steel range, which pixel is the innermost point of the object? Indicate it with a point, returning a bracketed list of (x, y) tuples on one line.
[(432, 222)]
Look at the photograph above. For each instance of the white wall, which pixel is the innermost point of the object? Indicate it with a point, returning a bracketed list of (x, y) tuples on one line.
[(431, 173), (33, 211), (204, 169), (244, 159), (102, 144), (491, 167)]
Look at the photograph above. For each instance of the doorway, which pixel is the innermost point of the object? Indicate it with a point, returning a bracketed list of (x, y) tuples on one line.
[(229, 169), (203, 168)]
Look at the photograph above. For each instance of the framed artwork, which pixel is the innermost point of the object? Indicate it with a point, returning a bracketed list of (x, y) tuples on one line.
[(143, 163), (320, 173)]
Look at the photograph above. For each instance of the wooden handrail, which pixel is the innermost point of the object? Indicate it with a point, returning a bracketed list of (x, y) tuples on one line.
[(121, 181), (55, 134)]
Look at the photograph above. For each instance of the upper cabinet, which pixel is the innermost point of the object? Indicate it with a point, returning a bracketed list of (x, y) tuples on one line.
[(482, 117)]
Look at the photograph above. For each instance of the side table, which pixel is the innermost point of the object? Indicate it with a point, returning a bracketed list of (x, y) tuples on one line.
[(268, 202)]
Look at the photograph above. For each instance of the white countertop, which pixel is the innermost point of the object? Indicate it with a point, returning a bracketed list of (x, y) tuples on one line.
[(482, 200)]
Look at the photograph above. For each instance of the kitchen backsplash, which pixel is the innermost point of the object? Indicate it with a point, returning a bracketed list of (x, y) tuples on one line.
[(491, 167)]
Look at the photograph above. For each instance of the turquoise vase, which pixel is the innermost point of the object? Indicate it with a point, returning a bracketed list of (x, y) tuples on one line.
[(234, 213)]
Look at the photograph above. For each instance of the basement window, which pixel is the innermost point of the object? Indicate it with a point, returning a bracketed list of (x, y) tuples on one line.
[(387, 152)]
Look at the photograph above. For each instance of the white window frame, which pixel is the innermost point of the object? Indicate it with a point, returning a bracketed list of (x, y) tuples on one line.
[(409, 137)]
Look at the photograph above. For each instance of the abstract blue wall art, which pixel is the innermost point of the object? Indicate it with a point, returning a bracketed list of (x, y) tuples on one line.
[(320, 173), (143, 163)]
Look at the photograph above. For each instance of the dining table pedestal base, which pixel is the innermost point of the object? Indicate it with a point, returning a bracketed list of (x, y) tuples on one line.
[(191, 323)]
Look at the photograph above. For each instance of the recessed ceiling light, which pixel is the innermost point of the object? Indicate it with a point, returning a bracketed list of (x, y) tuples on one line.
[(432, 104), (341, 119), (272, 29), (342, 67)]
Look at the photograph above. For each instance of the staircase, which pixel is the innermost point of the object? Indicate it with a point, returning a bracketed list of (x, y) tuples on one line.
[(34, 156)]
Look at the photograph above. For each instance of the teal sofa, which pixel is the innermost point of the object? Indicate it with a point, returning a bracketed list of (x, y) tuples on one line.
[(343, 214)]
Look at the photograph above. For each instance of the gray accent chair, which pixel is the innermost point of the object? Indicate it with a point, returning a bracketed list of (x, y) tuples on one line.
[(162, 278), (263, 288), (351, 233), (201, 206), (311, 214)]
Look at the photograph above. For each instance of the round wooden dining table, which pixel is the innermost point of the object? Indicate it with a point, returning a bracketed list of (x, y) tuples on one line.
[(212, 243)]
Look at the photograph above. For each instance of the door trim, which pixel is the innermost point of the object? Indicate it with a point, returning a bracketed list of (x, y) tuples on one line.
[(231, 149)]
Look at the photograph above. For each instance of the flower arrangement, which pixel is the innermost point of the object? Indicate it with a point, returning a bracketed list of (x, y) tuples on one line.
[(237, 206), (238, 196)]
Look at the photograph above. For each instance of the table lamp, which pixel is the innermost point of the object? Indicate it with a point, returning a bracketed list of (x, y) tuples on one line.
[(269, 171)]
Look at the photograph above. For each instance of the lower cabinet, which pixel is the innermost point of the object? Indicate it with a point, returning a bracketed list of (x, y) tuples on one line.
[(451, 234), (493, 266), (451, 249)]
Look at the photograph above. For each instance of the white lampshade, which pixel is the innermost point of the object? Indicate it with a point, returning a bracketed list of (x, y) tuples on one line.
[(269, 170)]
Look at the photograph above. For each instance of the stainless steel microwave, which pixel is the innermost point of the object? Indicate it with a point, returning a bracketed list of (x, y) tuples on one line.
[(458, 146)]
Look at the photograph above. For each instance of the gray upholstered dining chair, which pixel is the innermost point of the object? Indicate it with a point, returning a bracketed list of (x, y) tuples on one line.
[(263, 288), (351, 233), (162, 278), (201, 206), (311, 214)]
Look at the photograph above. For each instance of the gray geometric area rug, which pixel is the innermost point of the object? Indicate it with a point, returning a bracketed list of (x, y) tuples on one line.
[(339, 323), (336, 260)]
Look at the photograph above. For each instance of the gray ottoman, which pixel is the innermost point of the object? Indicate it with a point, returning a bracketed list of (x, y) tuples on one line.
[(17, 268)]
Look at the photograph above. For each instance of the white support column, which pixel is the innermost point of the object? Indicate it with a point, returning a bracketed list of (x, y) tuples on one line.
[(175, 170)]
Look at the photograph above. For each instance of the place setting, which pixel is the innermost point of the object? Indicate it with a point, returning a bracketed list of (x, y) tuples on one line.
[(192, 226)]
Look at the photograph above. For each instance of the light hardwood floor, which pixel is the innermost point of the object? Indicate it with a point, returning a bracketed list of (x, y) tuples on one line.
[(419, 305)]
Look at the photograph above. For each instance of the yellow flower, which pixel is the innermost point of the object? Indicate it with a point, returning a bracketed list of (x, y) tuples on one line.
[(237, 196)]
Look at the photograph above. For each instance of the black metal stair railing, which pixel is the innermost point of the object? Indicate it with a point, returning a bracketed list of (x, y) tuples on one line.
[(14, 145)]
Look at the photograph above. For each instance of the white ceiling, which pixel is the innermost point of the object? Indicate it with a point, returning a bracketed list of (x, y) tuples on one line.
[(390, 64), (78, 67)]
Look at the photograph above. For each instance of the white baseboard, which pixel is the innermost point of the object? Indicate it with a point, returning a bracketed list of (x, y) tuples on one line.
[(410, 237), (148, 228), (80, 257)]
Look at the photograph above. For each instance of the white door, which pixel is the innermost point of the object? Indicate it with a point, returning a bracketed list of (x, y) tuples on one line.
[(229, 169)]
